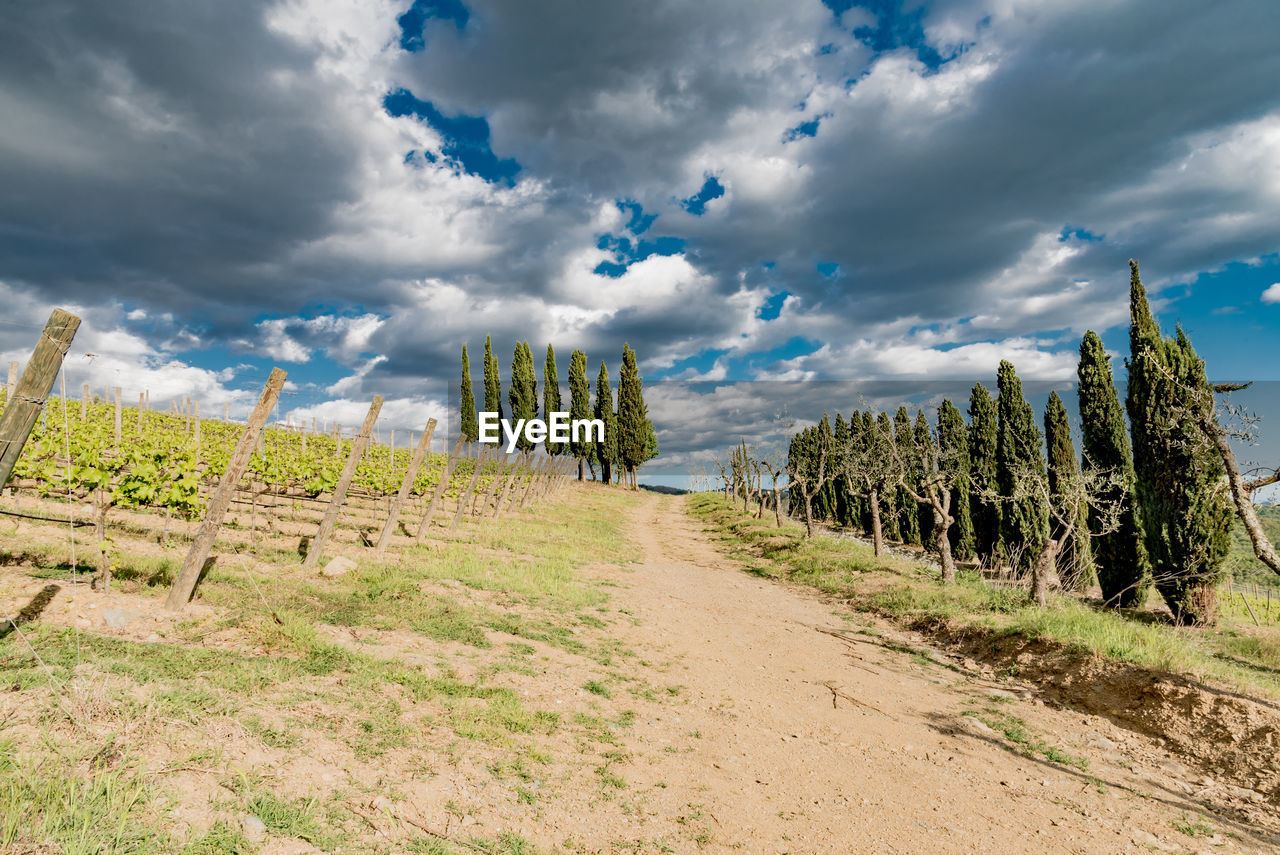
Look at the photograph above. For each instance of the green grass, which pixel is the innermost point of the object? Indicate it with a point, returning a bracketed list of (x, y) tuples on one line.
[(1015, 730), (596, 687), (45, 803), (1239, 655), (323, 671), (1193, 826)]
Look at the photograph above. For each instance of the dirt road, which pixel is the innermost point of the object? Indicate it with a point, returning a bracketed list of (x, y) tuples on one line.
[(796, 740)]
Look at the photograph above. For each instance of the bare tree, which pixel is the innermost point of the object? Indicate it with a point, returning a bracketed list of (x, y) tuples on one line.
[(1092, 489), (1241, 488), (929, 479), (871, 462), (776, 469), (811, 474)]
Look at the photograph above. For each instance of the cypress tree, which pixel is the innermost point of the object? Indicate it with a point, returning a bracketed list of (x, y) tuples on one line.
[(953, 445), (1024, 518), (551, 402), (854, 498), (467, 404), (908, 514), (523, 394), (866, 437), (633, 420), (1074, 567), (889, 505), (606, 450), (839, 487), (492, 381), (1185, 513), (584, 448), (982, 476), (1119, 553)]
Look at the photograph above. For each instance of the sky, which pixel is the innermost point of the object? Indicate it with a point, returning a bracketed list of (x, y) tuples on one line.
[(768, 199)]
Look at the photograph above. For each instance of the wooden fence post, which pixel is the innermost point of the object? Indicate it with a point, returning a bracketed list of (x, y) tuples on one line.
[(29, 393), (532, 483), (492, 493), (184, 586), (512, 474), (406, 486), (344, 483), (465, 500), (119, 416), (13, 382), (441, 486)]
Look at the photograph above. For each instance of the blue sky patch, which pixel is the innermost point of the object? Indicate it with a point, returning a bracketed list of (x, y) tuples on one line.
[(697, 203), (640, 221), (772, 307), (414, 21), (1069, 233), (895, 28), (627, 252), (466, 138), (804, 129)]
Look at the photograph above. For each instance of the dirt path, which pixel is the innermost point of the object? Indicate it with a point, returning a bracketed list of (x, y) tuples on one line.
[(793, 740)]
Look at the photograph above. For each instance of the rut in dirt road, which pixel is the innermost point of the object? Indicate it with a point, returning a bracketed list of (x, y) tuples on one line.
[(819, 730)]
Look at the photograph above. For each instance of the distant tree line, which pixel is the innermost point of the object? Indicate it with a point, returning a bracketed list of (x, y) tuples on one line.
[(629, 438), (1146, 504)]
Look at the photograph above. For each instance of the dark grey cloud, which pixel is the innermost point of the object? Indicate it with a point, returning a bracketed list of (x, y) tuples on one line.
[(218, 164)]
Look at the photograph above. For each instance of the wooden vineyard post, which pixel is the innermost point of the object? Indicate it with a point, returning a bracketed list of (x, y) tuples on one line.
[(532, 483), (441, 486), (465, 500), (492, 493), (530, 475), (13, 382), (344, 483), (184, 586), (141, 403), (197, 423), (226, 411), (23, 405), (84, 403), (512, 474), (415, 463), (119, 417), (337, 441)]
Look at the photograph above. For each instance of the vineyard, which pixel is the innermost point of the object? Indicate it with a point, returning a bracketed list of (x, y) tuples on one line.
[(91, 463)]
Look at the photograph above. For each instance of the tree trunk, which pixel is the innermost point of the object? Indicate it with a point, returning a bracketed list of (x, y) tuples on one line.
[(1242, 496), (777, 504), (1042, 571), (582, 468), (943, 541), (877, 531), (808, 515)]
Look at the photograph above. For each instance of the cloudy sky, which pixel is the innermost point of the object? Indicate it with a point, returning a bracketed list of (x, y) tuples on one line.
[(744, 190)]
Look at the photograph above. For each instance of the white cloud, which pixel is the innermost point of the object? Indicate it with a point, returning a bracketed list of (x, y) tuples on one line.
[(1272, 294)]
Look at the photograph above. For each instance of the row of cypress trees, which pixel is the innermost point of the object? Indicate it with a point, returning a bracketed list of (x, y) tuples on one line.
[(629, 437), (1161, 515)]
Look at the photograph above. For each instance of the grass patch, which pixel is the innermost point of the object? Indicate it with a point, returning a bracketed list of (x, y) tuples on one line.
[(1243, 657), (1015, 731)]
